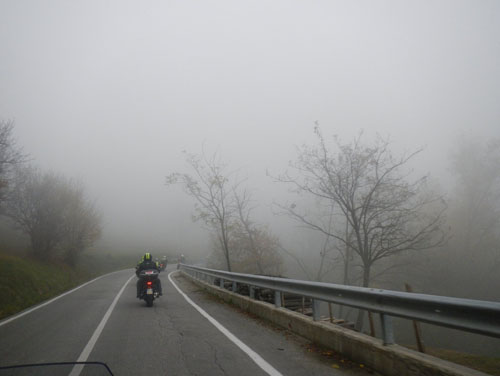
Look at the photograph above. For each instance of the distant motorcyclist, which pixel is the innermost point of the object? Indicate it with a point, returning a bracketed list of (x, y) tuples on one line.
[(163, 263), (181, 260), (147, 263)]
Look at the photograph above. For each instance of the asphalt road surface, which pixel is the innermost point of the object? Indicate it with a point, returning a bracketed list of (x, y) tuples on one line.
[(103, 321)]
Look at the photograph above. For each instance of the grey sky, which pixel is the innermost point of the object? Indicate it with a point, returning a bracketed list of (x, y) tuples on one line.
[(111, 92)]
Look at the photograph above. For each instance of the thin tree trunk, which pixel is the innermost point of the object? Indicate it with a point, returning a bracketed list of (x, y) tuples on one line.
[(347, 257), (319, 276), (416, 327), (248, 230), (372, 324), (366, 283), (225, 248)]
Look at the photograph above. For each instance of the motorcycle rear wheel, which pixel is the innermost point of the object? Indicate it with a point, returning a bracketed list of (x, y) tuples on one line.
[(149, 300)]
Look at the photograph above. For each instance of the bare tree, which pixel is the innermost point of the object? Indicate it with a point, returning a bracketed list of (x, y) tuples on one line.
[(10, 155), (53, 212), (386, 214), (211, 188)]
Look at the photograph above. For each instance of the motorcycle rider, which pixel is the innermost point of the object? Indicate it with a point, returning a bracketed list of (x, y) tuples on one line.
[(145, 264)]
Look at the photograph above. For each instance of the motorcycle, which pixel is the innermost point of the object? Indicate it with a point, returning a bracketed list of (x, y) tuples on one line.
[(149, 287), (163, 266)]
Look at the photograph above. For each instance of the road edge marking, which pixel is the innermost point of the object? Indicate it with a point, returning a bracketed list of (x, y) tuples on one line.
[(265, 366), (92, 341), (29, 310)]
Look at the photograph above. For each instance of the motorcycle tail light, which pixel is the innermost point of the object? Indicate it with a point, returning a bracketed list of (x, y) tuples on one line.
[(149, 283)]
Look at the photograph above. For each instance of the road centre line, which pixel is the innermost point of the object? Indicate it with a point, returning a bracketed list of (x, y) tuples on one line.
[(90, 345), (265, 366), (21, 314)]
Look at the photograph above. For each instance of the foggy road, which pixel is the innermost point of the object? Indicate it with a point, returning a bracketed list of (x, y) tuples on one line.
[(170, 338)]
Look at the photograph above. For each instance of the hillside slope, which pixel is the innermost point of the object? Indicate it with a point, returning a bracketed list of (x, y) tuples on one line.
[(25, 282)]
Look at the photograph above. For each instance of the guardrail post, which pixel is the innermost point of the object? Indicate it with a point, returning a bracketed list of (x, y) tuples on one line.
[(251, 292), (221, 283), (235, 287), (387, 329), (316, 308), (277, 299)]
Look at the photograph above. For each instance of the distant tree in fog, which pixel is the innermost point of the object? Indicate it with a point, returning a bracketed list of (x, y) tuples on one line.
[(226, 209), (475, 218), (53, 211), (212, 189), (468, 265), (325, 246), (81, 226), (255, 247), (260, 255), (10, 155), (385, 211)]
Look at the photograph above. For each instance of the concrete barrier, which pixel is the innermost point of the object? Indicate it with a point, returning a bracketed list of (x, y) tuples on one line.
[(390, 360)]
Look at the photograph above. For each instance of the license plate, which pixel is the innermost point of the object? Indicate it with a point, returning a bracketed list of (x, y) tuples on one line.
[(149, 291)]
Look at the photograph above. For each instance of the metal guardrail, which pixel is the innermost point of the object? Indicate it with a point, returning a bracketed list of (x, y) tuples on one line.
[(477, 316)]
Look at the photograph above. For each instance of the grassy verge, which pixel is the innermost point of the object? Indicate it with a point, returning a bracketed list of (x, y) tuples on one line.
[(25, 282), (484, 364)]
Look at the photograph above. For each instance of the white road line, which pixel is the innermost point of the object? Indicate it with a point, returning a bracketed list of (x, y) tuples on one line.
[(90, 345), (50, 301), (265, 366)]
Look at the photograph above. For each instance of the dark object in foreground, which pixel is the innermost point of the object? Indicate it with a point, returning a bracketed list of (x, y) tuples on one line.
[(99, 368)]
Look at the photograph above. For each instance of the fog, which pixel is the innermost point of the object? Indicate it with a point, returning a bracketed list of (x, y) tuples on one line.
[(112, 93)]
